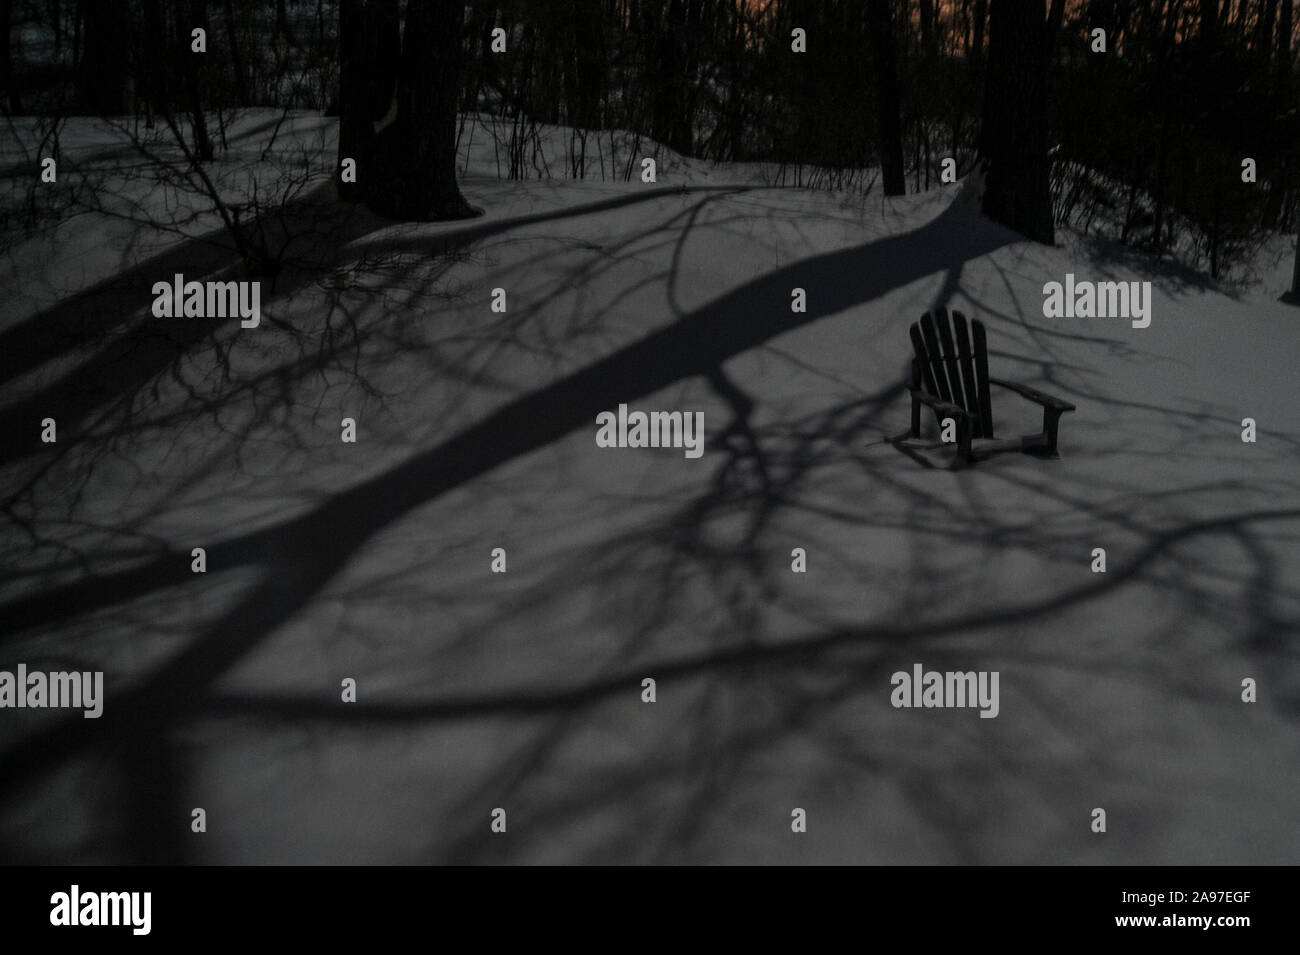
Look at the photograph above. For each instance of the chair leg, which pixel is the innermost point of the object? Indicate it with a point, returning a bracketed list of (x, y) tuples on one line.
[(1051, 421), (916, 418), (963, 440)]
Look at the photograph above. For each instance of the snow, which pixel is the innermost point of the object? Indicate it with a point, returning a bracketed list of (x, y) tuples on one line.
[(328, 560)]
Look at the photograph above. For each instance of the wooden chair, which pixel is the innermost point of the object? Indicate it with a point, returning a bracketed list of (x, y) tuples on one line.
[(950, 375)]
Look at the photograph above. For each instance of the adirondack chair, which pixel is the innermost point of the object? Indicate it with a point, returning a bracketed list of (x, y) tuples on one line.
[(950, 375)]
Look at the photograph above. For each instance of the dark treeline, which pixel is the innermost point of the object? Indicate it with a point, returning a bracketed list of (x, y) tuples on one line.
[(1146, 130), (1189, 92)]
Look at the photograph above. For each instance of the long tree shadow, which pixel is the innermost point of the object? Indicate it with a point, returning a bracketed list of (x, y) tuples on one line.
[(697, 344), (315, 235)]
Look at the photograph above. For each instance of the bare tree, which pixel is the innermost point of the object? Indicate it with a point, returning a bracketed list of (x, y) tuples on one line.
[(1013, 140), (7, 87), (102, 73), (412, 170), (887, 97), (191, 72)]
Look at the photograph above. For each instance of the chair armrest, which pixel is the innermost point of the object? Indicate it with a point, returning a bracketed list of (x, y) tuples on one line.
[(1037, 397), (945, 409)]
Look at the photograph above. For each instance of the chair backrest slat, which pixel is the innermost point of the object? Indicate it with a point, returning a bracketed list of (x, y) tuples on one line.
[(966, 363), (982, 376), (934, 355), (922, 374)]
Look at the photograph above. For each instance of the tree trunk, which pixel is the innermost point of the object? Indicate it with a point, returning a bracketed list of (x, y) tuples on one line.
[(1107, 15), (282, 27), (1055, 17), (1209, 20), (383, 31), (6, 61), (590, 64), (929, 42), (236, 57), (370, 52), (1264, 30), (1285, 100), (1295, 273), (1013, 139), (735, 110), (191, 68), (355, 130), (413, 170), (1279, 181), (1284, 40), (56, 25), (887, 97), (691, 89), (155, 78), (979, 20), (670, 80), (101, 77)]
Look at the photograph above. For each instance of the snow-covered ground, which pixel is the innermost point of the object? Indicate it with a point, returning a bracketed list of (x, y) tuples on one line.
[(476, 430)]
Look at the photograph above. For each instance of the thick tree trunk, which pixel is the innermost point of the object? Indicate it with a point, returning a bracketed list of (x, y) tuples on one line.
[(370, 53), (1013, 139), (670, 80), (413, 170), (101, 77), (383, 58), (282, 27), (887, 97), (929, 40), (1295, 273)]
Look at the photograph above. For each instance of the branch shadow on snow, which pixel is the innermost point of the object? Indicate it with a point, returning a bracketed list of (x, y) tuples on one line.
[(744, 687)]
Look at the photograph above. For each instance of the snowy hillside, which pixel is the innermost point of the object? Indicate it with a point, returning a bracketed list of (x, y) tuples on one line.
[(476, 429)]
